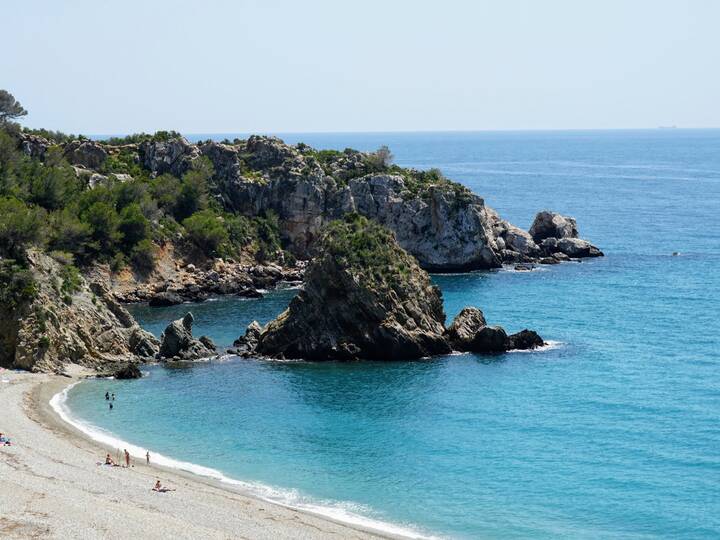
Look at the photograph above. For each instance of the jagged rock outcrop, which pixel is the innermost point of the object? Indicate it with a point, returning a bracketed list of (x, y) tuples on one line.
[(364, 297), (557, 236), (61, 325), (464, 328), (552, 225), (173, 155), (88, 154), (177, 342), (34, 146), (469, 333)]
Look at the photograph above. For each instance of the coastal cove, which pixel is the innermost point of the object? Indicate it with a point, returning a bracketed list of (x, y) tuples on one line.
[(620, 413)]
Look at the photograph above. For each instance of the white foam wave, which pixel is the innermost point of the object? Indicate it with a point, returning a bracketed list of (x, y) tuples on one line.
[(549, 346), (344, 512)]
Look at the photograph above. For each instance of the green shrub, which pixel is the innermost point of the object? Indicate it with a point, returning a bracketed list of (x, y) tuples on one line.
[(207, 231), (20, 226), (71, 279), (118, 262), (17, 285), (142, 256), (133, 226)]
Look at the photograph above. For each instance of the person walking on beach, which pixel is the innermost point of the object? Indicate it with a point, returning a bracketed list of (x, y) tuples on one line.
[(127, 459), (147, 457)]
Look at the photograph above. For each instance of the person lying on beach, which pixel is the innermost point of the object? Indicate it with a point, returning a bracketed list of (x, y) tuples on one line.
[(4, 440), (160, 488)]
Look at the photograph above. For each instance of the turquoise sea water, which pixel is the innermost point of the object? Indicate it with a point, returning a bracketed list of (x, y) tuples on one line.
[(614, 432)]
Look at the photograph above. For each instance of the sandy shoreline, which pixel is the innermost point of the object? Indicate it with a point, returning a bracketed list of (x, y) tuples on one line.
[(51, 487)]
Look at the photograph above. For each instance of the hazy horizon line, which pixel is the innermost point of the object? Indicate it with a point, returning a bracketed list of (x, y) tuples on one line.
[(400, 131)]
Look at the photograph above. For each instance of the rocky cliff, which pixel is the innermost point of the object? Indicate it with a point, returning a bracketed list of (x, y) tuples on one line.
[(67, 320), (441, 223)]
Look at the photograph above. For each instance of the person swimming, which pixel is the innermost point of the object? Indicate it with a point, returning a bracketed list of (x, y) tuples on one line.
[(107, 396)]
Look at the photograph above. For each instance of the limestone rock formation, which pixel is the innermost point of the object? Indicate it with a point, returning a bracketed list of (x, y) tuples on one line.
[(552, 225), (364, 297), (61, 325), (173, 155), (464, 327), (557, 236), (88, 154), (177, 342)]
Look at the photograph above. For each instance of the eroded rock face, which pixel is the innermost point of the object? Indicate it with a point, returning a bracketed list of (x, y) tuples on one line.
[(557, 236), (85, 326), (86, 153), (174, 156), (177, 341), (386, 309), (552, 225), (464, 327)]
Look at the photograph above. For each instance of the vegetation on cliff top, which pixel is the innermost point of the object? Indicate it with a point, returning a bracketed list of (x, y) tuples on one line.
[(45, 202), (368, 251)]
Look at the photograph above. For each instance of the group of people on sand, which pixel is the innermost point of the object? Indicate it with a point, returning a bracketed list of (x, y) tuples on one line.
[(4, 441), (112, 463)]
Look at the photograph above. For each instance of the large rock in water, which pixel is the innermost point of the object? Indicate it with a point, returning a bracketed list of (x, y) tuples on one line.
[(177, 341), (552, 225), (63, 324), (464, 327), (558, 235), (364, 297)]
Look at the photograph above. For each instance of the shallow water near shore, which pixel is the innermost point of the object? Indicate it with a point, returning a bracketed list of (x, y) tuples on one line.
[(612, 432)]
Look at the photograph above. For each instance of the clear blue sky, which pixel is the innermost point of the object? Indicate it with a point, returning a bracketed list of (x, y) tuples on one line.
[(372, 65)]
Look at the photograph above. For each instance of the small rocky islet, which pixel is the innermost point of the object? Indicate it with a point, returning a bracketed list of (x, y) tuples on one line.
[(365, 297), (357, 231)]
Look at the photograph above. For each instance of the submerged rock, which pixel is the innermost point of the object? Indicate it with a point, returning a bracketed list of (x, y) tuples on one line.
[(177, 341), (364, 297)]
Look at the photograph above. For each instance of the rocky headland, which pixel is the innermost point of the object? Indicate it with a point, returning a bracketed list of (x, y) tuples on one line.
[(366, 298), (160, 220)]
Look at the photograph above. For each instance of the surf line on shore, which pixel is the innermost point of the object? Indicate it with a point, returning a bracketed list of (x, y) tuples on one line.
[(341, 512)]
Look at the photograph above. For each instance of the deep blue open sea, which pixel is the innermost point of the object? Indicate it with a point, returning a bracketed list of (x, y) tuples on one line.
[(612, 433)]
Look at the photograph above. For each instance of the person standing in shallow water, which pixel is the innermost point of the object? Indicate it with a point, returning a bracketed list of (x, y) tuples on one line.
[(107, 396), (110, 405)]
